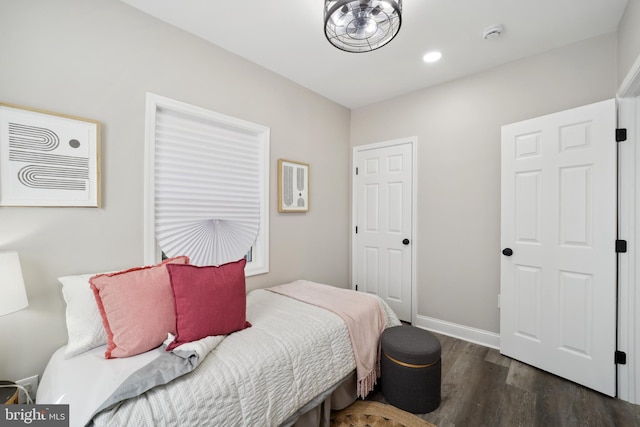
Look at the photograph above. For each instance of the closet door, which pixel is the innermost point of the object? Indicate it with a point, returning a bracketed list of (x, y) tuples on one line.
[(383, 242)]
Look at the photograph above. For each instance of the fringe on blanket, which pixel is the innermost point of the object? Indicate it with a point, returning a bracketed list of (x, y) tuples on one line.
[(366, 384)]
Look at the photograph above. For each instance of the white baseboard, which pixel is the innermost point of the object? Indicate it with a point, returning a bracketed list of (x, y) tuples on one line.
[(466, 333)]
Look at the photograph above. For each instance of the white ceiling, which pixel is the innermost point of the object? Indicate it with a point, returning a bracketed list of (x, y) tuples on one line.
[(287, 37)]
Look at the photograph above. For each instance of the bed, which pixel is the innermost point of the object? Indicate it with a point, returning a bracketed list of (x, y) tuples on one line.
[(293, 365)]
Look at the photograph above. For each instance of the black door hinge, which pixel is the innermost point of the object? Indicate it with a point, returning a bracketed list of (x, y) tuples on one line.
[(621, 246), (356, 171), (621, 135), (356, 229), (620, 357), (356, 287)]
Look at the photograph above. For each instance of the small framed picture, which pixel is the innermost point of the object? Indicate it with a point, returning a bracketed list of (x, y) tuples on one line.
[(293, 186), (48, 159)]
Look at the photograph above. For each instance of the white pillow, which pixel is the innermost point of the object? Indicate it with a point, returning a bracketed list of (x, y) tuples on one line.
[(84, 323)]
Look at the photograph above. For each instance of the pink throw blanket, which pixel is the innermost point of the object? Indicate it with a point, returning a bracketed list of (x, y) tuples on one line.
[(363, 315)]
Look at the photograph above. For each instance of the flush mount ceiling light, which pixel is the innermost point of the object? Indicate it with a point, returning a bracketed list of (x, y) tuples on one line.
[(361, 25)]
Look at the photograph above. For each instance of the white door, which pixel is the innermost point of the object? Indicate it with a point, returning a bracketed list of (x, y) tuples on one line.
[(558, 287), (383, 216)]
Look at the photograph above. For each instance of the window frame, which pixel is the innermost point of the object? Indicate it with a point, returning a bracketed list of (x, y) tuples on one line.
[(259, 264)]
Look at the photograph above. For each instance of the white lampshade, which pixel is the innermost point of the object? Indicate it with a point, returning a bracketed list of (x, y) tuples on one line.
[(13, 295)]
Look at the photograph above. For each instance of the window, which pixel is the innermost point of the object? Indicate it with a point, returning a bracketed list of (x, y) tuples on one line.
[(207, 186)]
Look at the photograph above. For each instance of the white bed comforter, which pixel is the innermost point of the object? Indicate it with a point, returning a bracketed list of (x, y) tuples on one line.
[(256, 377)]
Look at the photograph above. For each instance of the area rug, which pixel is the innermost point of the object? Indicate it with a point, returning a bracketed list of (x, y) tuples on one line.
[(366, 413)]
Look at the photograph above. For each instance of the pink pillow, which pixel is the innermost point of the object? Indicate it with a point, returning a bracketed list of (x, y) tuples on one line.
[(137, 307), (208, 300)]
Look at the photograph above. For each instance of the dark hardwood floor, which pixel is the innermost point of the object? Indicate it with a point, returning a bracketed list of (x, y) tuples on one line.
[(480, 387)]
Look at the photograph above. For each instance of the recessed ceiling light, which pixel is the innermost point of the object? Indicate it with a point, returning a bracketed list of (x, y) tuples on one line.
[(433, 56)]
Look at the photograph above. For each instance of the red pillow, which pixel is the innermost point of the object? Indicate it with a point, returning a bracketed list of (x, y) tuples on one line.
[(136, 306), (208, 300)]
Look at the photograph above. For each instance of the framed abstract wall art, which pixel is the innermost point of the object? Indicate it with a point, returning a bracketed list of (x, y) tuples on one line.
[(293, 186), (48, 159)]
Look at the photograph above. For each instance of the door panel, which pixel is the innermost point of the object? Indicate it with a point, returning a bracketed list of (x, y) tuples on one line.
[(527, 286), (528, 215), (558, 289)]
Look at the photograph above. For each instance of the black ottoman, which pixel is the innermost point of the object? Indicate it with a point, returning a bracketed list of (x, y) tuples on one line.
[(411, 369)]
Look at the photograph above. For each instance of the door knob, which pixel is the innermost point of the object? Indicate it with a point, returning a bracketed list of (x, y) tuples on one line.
[(507, 252), (405, 242)]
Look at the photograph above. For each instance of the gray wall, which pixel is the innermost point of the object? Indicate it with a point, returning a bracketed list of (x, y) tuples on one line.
[(458, 129), (97, 59), (628, 39)]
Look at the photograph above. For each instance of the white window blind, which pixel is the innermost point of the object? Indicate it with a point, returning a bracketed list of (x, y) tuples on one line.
[(208, 185)]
